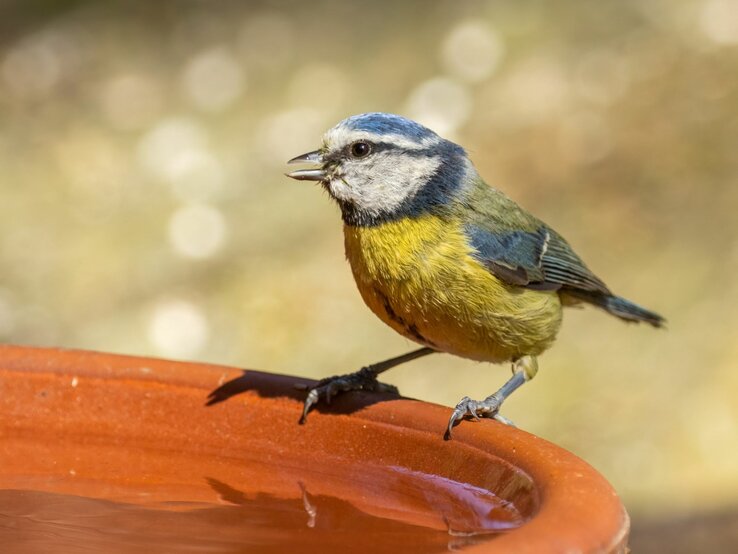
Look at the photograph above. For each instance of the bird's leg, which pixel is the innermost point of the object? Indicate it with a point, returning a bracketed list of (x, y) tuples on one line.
[(524, 369), (364, 379)]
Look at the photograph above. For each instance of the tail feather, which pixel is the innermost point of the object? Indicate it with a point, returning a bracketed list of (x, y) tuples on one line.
[(627, 310), (620, 307)]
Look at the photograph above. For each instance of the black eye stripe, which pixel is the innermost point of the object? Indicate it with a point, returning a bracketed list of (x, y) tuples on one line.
[(345, 152), (391, 147)]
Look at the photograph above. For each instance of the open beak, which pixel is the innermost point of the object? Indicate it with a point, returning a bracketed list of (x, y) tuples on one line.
[(314, 157)]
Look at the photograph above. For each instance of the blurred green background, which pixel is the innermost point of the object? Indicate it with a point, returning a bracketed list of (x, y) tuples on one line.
[(144, 210)]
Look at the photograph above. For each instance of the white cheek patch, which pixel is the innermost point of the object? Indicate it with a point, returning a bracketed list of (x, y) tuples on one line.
[(339, 189), (381, 184)]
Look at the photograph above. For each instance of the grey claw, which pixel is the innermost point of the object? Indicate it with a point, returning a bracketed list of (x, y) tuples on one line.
[(310, 401), (456, 415), (447, 434)]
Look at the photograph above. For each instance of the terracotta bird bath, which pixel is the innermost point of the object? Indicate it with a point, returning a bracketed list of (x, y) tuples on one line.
[(105, 453)]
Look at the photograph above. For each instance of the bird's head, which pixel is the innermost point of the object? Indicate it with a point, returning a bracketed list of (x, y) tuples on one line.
[(380, 167)]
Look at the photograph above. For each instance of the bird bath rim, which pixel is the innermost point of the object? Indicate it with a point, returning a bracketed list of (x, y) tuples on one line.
[(567, 505)]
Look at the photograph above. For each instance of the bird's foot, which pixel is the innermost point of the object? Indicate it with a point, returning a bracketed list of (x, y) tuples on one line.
[(476, 409), (326, 389)]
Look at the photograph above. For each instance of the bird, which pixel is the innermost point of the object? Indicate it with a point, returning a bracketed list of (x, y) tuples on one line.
[(445, 259)]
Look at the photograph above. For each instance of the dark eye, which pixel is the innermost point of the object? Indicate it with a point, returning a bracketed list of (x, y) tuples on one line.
[(361, 149)]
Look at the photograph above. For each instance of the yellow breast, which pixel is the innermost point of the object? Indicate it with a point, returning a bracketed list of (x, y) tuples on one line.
[(418, 276)]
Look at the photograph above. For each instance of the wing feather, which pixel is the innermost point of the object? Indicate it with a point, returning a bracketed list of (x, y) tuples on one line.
[(539, 259)]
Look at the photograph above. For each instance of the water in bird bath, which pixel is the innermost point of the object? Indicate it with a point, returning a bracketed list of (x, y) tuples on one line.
[(68, 496)]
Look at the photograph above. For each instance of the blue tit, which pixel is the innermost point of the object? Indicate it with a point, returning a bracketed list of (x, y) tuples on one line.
[(446, 260)]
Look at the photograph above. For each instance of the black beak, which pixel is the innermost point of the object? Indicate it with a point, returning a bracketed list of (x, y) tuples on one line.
[(314, 157)]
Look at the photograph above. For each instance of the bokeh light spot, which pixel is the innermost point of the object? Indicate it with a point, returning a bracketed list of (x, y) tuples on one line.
[(161, 149), (178, 328), (719, 21), (472, 51), (197, 231), (196, 175), (442, 104)]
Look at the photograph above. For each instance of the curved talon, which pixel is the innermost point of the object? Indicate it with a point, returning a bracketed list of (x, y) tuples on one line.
[(310, 401), (451, 422)]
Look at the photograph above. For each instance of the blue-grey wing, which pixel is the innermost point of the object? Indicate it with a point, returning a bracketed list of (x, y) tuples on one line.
[(539, 259)]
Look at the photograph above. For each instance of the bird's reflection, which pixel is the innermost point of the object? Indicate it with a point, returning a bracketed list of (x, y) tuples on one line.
[(310, 509), (340, 518)]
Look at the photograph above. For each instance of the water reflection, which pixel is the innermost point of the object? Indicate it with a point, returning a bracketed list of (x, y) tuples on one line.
[(39, 521), (62, 493)]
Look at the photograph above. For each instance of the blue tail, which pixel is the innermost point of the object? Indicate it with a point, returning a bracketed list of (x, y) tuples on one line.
[(627, 310), (620, 307)]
